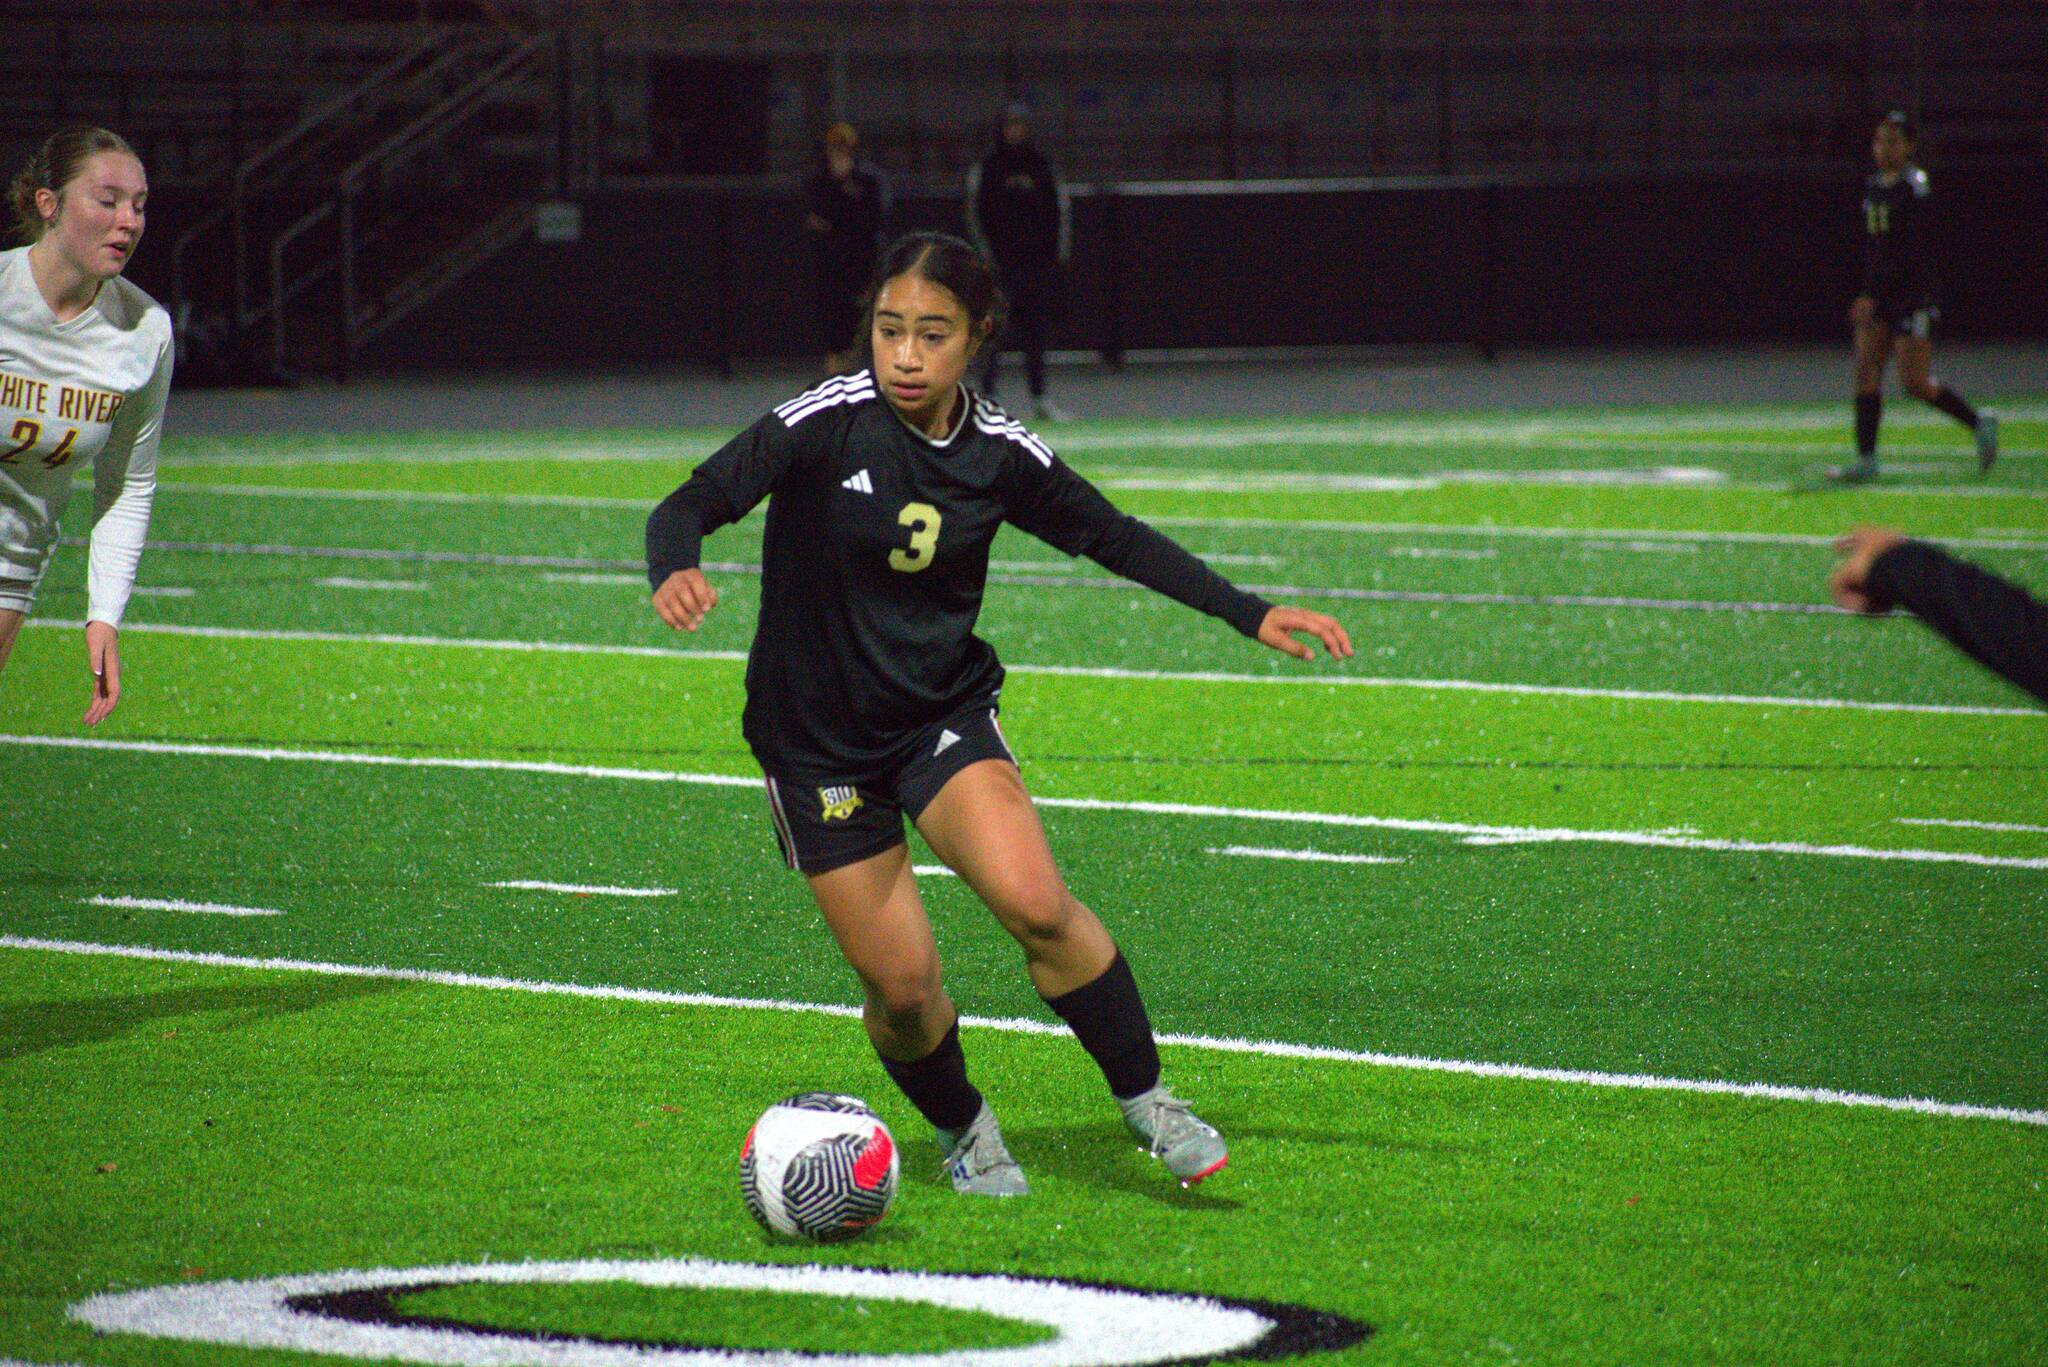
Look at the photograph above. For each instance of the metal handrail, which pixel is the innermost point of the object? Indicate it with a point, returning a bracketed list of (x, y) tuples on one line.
[(277, 146), (447, 114), (440, 115)]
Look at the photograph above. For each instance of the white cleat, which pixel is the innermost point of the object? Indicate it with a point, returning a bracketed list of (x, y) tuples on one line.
[(978, 1162), (1190, 1147)]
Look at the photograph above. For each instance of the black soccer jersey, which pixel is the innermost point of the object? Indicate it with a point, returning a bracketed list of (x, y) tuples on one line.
[(1898, 266), (874, 561)]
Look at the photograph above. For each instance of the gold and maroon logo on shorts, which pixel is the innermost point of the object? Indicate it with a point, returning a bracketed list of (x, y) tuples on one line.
[(839, 803)]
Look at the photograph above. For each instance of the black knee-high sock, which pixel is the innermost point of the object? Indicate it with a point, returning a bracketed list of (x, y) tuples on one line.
[(1108, 1017), (1953, 404), (1869, 407), (937, 1084)]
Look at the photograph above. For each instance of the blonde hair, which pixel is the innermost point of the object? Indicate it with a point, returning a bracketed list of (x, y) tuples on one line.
[(55, 165)]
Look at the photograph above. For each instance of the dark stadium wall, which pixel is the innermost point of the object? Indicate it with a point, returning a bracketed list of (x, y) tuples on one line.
[(663, 278)]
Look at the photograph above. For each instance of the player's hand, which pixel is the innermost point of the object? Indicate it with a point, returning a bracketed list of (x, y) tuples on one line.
[(1850, 583), (103, 655), (1863, 312), (683, 599), (1276, 631)]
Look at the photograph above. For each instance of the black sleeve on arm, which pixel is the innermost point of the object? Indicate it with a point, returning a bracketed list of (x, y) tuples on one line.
[(722, 490), (1995, 623), (1068, 513)]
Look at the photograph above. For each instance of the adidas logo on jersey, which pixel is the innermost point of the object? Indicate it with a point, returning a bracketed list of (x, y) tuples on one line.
[(838, 803), (859, 483), (946, 738)]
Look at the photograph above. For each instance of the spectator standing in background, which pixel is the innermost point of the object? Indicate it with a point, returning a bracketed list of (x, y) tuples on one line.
[(1019, 215), (845, 206)]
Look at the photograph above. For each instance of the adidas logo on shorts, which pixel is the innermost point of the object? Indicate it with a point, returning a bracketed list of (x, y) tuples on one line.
[(858, 482)]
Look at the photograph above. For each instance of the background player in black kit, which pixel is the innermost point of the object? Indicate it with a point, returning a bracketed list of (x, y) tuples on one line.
[(870, 698), (1896, 309)]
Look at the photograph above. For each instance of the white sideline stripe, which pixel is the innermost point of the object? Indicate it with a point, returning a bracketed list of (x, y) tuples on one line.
[(174, 904), (581, 889), (1308, 481), (2005, 538), (1313, 856), (1483, 832), (1645, 547), (932, 871), (1076, 671), (1024, 1026), (397, 495), (162, 591), (2002, 542), (1444, 552), (1096, 583), (558, 577), (1461, 429), (342, 581), (1323, 481), (1971, 825)]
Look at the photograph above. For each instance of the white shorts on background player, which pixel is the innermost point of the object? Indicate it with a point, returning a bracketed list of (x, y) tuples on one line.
[(90, 390)]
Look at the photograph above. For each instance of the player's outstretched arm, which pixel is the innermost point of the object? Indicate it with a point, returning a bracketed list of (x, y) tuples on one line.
[(683, 599), (1280, 625)]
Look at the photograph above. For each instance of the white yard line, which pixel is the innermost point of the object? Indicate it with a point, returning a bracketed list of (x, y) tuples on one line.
[(1971, 825), (2016, 542), (162, 591), (932, 871), (580, 889), (1644, 547), (1683, 477), (1998, 538), (1445, 552), (175, 904), (1075, 671), (1477, 832), (1307, 856), (564, 577), (1094, 583), (342, 581), (1024, 1026), (1670, 430)]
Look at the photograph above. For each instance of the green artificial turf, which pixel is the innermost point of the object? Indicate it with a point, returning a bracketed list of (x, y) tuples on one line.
[(261, 1123), (185, 1124)]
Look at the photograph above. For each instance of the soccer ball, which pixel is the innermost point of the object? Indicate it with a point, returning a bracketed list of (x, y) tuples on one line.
[(818, 1166)]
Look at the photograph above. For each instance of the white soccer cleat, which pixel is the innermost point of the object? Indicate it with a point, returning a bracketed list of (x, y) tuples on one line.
[(1987, 442), (978, 1162), (1190, 1147)]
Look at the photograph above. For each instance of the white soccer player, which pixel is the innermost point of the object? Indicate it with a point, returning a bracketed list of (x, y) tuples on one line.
[(85, 364)]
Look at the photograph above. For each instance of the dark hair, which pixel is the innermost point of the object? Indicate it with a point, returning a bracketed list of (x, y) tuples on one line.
[(947, 261), (55, 165), (1901, 120)]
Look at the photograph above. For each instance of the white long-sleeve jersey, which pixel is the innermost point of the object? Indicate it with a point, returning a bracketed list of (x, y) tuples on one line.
[(91, 388)]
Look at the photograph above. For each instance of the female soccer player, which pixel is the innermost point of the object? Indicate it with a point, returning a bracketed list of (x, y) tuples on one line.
[(85, 363), (1896, 310), (870, 698)]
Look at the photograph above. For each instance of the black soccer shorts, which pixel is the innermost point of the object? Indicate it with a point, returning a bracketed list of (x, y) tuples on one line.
[(824, 823), (1908, 315)]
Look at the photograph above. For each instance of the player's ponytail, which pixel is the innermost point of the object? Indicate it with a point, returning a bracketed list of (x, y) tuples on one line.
[(944, 260), (55, 165)]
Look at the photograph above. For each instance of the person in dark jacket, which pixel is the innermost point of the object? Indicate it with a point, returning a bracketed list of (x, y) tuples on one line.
[(1895, 310), (1019, 215), (1995, 623), (845, 206)]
